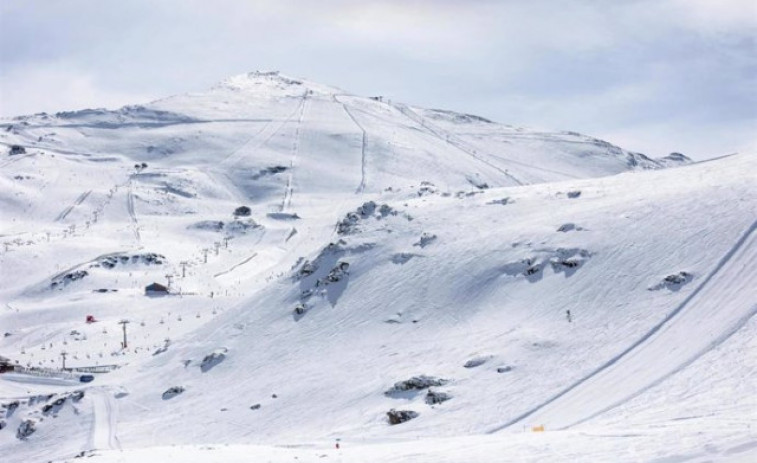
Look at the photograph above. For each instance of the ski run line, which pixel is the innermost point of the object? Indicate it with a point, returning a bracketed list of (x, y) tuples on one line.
[(724, 301)]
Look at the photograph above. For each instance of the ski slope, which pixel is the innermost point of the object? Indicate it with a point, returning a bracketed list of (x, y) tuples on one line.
[(322, 247), (706, 318)]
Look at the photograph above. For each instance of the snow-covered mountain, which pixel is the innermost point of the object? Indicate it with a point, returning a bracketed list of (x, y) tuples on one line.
[(415, 284)]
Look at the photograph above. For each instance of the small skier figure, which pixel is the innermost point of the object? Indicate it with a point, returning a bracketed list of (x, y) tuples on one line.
[(569, 317)]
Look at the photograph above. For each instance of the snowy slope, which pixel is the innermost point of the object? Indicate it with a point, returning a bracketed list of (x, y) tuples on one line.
[(380, 242)]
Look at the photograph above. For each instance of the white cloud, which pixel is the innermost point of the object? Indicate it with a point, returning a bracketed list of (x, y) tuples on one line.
[(53, 87)]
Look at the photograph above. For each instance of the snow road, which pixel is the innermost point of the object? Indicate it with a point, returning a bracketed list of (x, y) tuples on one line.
[(699, 324)]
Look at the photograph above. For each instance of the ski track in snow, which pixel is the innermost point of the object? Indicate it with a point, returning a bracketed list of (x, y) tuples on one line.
[(231, 269), (70, 208), (132, 213), (451, 140), (699, 324), (361, 187), (104, 425), (242, 152)]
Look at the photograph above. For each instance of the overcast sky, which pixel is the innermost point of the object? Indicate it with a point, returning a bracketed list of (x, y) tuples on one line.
[(650, 75)]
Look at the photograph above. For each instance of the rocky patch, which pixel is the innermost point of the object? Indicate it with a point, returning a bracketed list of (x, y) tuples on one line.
[(400, 416), (436, 397), (68, 278), (503, 201), (213, 359), (26, 429), (565, 260), (566, 227), (268, 171), (477, 361), (370, 209), (426, 239), (235, 227), (673, 282), (414, 384), (110, 262), (172, 392)]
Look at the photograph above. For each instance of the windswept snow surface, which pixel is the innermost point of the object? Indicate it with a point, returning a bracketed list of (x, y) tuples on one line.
[(329, 254)]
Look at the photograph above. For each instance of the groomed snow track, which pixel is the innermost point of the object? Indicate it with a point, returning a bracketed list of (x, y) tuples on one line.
[(706, 318), (106, 418)]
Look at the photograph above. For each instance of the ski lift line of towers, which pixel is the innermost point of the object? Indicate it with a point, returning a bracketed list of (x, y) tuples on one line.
[(133, 345), (68, 230)]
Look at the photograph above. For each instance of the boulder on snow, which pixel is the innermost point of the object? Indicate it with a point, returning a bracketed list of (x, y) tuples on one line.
[(504, 369), (400, 416), (574, 194), (172, 392)]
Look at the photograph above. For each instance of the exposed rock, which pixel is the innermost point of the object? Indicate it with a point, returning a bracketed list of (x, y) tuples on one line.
[(25, 429), (338, 272), (477, 361), (350, 222), (400, 416), (172, 392), (213, 359), (504, 369), (435, 397), (69, 278), (242, 211), (566, 227), (673, 282), (425, 240), (574, 194), (17, 149), (273, 170), (416, 383), (402, 258), (255, 407), (150, 258)]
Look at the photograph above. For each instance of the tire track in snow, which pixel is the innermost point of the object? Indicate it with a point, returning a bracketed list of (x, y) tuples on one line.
[(726, 299), (361, 186), (70, 208)]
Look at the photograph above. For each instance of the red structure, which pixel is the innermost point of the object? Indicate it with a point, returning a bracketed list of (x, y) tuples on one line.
[(91, 319)]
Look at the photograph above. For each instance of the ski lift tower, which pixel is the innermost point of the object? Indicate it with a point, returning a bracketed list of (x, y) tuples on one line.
[(123, 323)]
